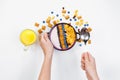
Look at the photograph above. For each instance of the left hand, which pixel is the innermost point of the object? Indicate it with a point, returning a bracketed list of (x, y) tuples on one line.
[(46, 45)]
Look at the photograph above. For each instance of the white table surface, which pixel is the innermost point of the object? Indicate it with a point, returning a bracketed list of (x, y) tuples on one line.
[(16, 15)]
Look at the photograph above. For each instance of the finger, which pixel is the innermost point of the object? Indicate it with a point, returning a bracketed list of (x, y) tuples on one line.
[(46, 36), (83, 56), (39, 37), (91, 58), (42, 40), (83, 64), (82, 61), (86, 57), (83, 67)]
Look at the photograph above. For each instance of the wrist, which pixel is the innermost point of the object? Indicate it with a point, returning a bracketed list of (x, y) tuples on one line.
[(95, 77), (48, 58), (48, 55)]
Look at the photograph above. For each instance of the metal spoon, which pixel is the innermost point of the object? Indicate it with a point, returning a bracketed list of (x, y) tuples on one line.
[(84, 35)]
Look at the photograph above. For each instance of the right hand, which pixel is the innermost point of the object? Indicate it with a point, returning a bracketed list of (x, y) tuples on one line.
[(88, 64)]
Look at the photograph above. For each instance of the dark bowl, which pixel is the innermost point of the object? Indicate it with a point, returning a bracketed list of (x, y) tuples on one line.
[(68, 47)]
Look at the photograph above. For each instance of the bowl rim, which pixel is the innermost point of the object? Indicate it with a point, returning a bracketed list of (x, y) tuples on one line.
[(72, 44)]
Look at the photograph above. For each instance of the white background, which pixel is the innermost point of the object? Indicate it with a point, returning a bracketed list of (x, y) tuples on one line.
[(16, 15)]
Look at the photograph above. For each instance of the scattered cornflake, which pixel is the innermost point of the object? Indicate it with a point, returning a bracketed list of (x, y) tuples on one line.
[(48, 19), (63, 10), (77, 23), (53, 17), (81, 20), (79, 17), (89, 41), (54, 22), (67, 17), (40, 31), (37, 24), (80, 40), (43, 27), (58, 20), (50, 25), (63, 15), (89, 29), (75, 13), (80, 24)]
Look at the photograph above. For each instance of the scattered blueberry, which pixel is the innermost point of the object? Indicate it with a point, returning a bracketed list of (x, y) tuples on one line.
[(87, 24), (80, 44), (52, 12), (61, 19), (68, 12), (70, 19), (76, 27), (43, 21), (75, 19), (57, 15)]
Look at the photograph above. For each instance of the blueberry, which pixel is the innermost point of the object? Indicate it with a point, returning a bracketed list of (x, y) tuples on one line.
[(43, 21), (76, 27), (52, 12), (68, 12), (87, 24), (75, 19), (57, 15), (70, 19), (61, 19), (80, 44)]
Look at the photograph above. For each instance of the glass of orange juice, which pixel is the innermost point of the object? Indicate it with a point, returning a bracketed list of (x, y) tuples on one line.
[(27, 37)]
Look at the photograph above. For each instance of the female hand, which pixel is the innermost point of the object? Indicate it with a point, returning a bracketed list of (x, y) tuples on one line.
[(88, 64), (46, 45)]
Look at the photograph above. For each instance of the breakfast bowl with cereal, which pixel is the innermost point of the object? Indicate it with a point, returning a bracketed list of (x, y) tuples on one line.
[(63, 36)]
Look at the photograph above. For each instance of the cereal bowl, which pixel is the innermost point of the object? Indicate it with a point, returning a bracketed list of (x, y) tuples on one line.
[(63, 36)]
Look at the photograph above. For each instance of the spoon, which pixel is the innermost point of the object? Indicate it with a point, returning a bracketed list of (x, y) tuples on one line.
[(84, 35)]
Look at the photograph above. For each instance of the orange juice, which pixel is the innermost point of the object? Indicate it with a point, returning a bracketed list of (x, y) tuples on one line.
[(28, 37)]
